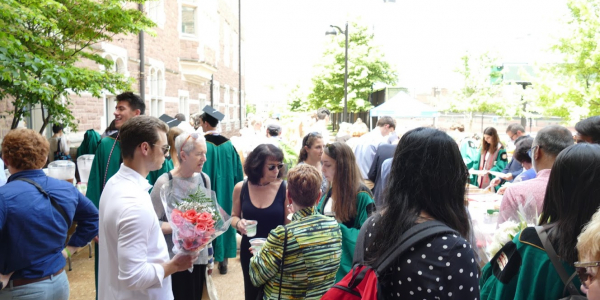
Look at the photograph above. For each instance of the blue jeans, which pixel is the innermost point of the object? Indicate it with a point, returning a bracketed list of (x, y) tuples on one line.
[(55, 288)]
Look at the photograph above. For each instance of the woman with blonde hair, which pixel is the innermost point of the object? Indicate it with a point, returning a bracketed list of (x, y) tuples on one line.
[(173, 133), (348, 200)]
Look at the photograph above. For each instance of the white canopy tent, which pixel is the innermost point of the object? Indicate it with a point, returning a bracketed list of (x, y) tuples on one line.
[(404, 106)]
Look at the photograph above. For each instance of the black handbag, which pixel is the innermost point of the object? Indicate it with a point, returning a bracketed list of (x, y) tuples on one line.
[(564, 276), (261, 293)]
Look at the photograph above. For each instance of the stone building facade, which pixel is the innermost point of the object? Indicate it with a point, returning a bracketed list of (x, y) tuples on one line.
[(191, 60)]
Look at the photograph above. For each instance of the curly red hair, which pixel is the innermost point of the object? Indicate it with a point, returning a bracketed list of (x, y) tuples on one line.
[(25, 149)]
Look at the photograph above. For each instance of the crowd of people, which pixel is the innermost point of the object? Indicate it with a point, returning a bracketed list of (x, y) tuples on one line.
[(311, 210)]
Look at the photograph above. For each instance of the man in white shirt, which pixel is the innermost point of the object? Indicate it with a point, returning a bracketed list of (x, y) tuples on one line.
[(321, 125), (367, 146), (134, 261)]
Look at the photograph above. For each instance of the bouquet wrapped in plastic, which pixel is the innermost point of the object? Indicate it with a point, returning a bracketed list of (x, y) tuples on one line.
[(193, 213)]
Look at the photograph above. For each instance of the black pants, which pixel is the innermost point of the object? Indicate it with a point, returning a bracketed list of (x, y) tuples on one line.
[(189, 286)]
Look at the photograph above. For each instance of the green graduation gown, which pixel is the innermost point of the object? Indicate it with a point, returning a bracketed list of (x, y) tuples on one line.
[(364, 207), (224, 168), (99, 170)]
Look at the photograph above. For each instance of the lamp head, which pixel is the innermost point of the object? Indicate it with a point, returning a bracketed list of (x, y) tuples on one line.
[(331, 31)]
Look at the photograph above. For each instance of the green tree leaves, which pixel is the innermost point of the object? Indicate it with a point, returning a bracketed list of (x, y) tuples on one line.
[(42, 43), (366, 66), (571, 89)]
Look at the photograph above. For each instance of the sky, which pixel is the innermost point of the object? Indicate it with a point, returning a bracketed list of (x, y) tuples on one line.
[(422, 39)]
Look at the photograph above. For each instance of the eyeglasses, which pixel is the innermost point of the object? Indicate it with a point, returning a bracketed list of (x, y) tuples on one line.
[(582, 272), (511, 136), (192, 135), (165, 149), (272, 167)]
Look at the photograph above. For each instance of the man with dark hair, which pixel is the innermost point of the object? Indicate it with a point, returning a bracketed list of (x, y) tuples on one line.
[(180, 117), (224, 168), (515, 133), (134, 254), (528, 196), (588, 130), (107, 159), (367, 146), (321, 125)]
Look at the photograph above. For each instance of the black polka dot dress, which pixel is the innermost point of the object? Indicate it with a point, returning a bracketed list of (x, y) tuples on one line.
[(443, 267)]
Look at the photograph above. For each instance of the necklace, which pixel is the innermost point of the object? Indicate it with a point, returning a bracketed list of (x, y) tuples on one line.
[(263, 184)]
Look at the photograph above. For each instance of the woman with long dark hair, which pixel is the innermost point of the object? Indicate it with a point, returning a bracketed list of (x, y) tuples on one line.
[(427, 182), (522, 269), (261, 198), (311, 152), (348, 200), (492, 157)]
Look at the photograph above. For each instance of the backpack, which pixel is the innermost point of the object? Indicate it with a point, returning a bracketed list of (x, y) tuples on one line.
[(362, 281), (60, 155)]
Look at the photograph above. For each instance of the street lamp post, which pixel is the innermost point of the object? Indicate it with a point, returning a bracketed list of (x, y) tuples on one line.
[(345, 32)]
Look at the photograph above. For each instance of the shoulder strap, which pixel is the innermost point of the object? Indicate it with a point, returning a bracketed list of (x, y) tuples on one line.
[(283, 189), (203, 179), (541, 231), (52, 201), (171, 175), (58, 145), (409, 238), (282, 260)]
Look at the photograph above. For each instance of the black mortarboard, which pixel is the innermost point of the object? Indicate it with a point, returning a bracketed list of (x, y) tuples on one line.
[(172, 122), (213, 113)]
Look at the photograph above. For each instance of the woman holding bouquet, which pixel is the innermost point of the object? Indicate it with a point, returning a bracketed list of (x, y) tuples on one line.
[(191, 154), (261, 198), (348, 200)]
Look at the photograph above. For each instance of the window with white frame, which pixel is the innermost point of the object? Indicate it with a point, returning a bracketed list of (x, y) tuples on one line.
[(156, 12), (184, 103), (202, 101), (157, 105), (189, 12)]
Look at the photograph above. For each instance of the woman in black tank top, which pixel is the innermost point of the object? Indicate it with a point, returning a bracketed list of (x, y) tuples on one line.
[(261, 198)]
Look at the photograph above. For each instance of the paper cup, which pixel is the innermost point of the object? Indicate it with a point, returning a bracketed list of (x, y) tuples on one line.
[(257, 244), (251, 228)]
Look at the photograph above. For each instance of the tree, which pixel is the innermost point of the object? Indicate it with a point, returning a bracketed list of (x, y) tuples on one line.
[(482, 88), (366, 66), (571, 89), (41, 44), (297, 99)]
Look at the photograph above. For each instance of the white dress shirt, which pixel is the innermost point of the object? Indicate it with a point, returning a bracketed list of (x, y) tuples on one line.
[(132, 246)]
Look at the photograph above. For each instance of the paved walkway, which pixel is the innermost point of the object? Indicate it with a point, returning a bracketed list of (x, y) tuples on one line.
[(81, 279)]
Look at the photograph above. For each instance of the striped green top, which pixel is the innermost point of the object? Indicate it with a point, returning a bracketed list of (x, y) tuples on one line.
[(313, 255)]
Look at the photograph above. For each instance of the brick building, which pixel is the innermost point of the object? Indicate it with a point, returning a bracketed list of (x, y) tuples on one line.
[(192, 60)]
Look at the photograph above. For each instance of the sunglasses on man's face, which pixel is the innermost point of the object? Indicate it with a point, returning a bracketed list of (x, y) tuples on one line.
[(272, 167), (165, 149), (582, 272)]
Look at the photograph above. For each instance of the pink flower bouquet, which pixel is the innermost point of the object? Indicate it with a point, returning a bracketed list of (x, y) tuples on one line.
[(194, 215)]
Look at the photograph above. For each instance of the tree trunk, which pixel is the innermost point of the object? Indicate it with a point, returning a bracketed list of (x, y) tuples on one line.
[(45, 119)]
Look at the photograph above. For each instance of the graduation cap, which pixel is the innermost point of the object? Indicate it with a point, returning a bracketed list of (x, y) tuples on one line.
[(213, 113), (172, 122)]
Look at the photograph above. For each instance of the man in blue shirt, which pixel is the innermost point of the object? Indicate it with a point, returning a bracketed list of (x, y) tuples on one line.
[(34, 221)]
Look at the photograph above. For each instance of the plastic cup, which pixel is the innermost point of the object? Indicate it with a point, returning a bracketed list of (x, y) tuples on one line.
[(257, 244), (251, 228)]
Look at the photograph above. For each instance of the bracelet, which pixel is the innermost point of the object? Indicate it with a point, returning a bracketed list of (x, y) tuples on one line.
[(236, 225)]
